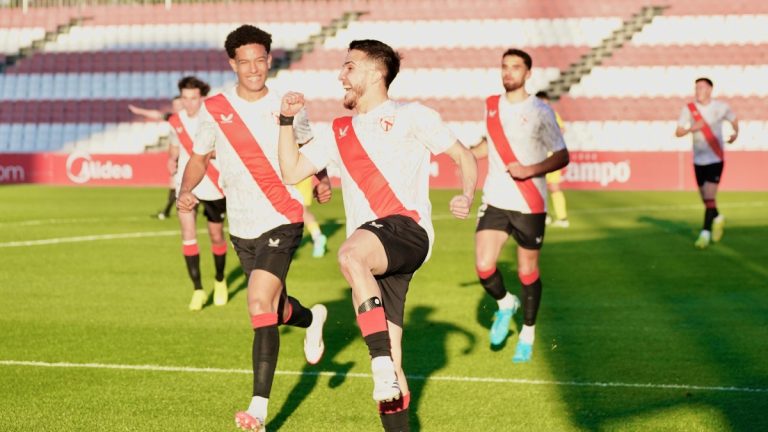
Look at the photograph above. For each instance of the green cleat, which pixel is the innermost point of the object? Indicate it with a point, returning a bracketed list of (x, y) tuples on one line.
[(220, 293), (718, 225), (199, 297), (703, 241)]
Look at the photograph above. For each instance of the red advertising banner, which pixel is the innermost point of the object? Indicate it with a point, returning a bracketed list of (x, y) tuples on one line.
[(632, 171), (587, 170), (80, 168)]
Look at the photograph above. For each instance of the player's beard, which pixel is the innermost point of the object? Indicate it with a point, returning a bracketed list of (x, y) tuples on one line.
[(512, 86), (352, 96)]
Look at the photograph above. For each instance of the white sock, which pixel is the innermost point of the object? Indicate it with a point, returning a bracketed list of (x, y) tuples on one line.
[(705, 233), (258, 408), (508, 302), (528, 334)]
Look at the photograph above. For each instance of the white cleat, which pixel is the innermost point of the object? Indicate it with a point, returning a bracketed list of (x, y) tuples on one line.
[(313, 341), (385, 385)]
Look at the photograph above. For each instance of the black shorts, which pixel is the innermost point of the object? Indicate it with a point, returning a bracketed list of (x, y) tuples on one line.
[(527, 229), (406, 244), (271, 251), (708, 173), (214, 210)]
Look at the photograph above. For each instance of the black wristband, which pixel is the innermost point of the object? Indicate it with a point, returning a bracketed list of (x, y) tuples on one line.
[(286, 121)]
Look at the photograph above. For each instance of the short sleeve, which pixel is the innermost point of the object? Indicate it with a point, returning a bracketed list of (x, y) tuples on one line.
[(430, 129), (320, 150), (728, 113), (205, 137), (551, 136)]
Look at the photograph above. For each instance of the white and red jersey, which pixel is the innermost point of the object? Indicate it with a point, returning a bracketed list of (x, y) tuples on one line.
[(184, 129), (384, 160), (713, 113), (244, 135), (526, 132)]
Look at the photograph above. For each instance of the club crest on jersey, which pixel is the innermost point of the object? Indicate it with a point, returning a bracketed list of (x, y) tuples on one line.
[(343, 131), (274, 242), (226, 118), (492, 113), (523, 119), (387, 123), (179, 129)]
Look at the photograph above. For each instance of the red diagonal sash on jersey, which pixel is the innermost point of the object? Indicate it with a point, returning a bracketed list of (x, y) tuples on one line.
[(527, 188), (186, 142), (714, 143), (250, 152), (366, 174)]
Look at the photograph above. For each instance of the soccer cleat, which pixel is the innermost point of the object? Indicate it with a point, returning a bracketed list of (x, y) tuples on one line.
[(247, 422), (313, 341), (703, 241), (220, 293), (501, 320), (318, 250), (523, 352), (561, 223), (386, 388), (199, 297), (718, 225)]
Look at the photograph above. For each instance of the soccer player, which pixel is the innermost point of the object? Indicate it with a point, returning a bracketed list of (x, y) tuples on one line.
[(154, 114), (703, 119), (184, 124), (383, 153), (265, 216), (554, 178), (521, 131)]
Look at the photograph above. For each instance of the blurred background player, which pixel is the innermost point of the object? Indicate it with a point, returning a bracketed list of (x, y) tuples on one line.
[(554, 178), (185, 124), (703, 119), (522, 130), (385, 184), (319, 240), (265, 216), (158, 115)]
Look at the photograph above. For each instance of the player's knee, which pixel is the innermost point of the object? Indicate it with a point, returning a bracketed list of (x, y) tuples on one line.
[(258, 306), (484, 269), (528, 276), (349, 259)]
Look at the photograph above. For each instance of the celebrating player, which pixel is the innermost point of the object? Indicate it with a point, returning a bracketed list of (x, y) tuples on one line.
[(383, 153), (521, 130), (265, 216)]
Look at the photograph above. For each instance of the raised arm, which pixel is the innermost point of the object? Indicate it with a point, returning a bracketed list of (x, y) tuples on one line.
[(293, 165), (460, 205)]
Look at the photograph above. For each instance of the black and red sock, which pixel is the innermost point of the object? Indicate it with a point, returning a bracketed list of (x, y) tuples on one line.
[(266, 346), (394, 414), (192, 258), (531, 284)]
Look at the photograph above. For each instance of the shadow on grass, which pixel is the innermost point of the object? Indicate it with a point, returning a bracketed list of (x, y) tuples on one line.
[(339, 331), (643, 306), (425, 349)]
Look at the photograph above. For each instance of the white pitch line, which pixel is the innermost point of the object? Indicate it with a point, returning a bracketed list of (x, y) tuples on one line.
[(88, 238), (157, 368)]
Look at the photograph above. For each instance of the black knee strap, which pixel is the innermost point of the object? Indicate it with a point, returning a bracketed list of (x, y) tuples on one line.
[(371, 303)]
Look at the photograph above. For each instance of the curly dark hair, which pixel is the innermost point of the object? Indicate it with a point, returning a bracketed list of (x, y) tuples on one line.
[(245, 35), (382, 54), (520, 53), (192, 82)]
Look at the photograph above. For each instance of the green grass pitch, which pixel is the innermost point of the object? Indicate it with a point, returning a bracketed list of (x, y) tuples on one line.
[(638, 330)]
